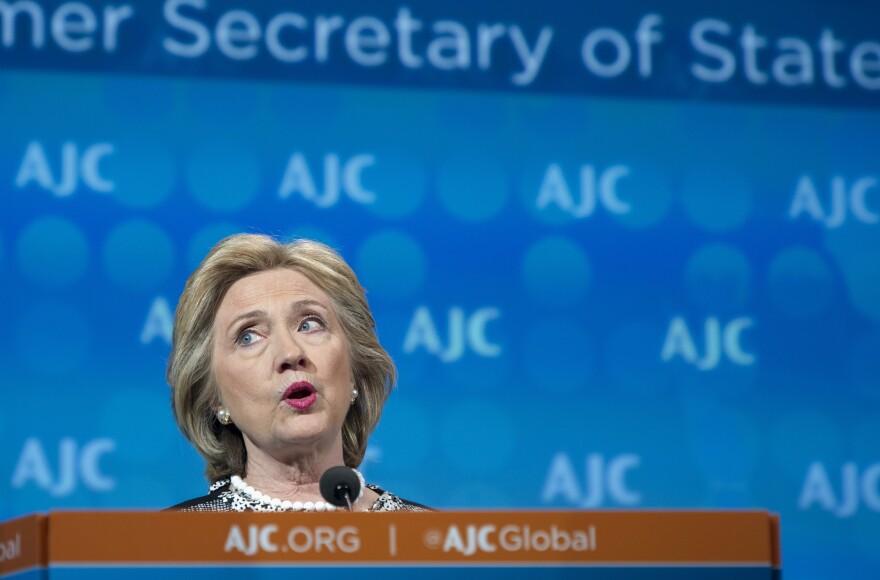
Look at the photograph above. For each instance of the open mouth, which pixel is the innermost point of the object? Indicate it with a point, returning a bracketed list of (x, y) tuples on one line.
[(300, 395)]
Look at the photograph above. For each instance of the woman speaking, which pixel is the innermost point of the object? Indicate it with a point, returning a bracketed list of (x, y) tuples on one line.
[(277, 375)]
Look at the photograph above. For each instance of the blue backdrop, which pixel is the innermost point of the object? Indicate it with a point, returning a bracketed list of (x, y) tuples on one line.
[(624, 255)]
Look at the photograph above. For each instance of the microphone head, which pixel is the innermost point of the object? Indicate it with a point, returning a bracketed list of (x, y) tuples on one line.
[(339, 482)]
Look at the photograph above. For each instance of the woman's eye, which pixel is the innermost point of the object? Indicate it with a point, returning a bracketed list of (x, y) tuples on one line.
[(248, 337), (310, 324)]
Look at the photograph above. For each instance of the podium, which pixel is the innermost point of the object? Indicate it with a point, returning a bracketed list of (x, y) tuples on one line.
[(681, 545)]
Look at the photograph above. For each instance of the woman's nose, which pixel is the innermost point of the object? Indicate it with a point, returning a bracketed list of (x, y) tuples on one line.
[(290, 354)]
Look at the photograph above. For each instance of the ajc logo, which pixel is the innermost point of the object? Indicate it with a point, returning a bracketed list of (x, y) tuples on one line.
[(300, 539), (74, 463), (73, 165), (511, 538), (339, 176), (720, 340), (843, 199), (601, 478), (464, 332), (854, 487), (595, 186)]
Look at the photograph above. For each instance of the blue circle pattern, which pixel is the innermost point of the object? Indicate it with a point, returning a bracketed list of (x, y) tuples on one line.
[(55, 339), (139, 255), (800, 282), (472, 189), (143, 174), (398, 181), (539, 119), (53, 252), (471, 113), (857, 251), (391, 265), (717, 199), (647, 191), (719, 278), (556, 272), (852, 148), (223, 177), (139, 100), (204, 105), (308, 108), (862, 276)]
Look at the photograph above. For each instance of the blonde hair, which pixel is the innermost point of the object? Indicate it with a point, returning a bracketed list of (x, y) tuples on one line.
[(194, 396)]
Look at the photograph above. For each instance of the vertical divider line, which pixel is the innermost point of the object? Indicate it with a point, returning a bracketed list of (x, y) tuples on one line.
[(392, 539)]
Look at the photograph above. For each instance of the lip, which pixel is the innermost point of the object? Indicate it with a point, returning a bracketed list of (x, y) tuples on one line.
[(305, 402)]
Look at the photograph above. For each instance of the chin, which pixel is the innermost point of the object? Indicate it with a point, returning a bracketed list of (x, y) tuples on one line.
[(306, 428)]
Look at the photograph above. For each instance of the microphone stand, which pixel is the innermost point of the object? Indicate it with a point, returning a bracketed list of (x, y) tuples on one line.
[(345, 492)]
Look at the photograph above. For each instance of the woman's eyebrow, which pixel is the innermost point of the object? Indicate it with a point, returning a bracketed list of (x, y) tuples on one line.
[(294, 307), (245, 316), (301, 304)]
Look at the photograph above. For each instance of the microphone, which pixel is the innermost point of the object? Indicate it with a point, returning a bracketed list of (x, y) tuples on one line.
[(341, 486)]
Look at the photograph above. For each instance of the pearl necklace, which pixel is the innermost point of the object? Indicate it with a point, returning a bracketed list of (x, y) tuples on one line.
[(262, 502)]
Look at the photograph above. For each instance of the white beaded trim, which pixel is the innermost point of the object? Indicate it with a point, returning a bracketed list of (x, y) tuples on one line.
[(260, 500)]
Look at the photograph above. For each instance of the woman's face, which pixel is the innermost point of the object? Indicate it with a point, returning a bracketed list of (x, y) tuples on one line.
[(282, 364)]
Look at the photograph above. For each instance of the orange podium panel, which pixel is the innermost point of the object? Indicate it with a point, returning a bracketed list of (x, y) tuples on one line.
[(503, 544)]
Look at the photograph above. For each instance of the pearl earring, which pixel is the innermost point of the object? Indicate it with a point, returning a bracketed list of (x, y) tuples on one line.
[(223, 416), (354, 395)]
